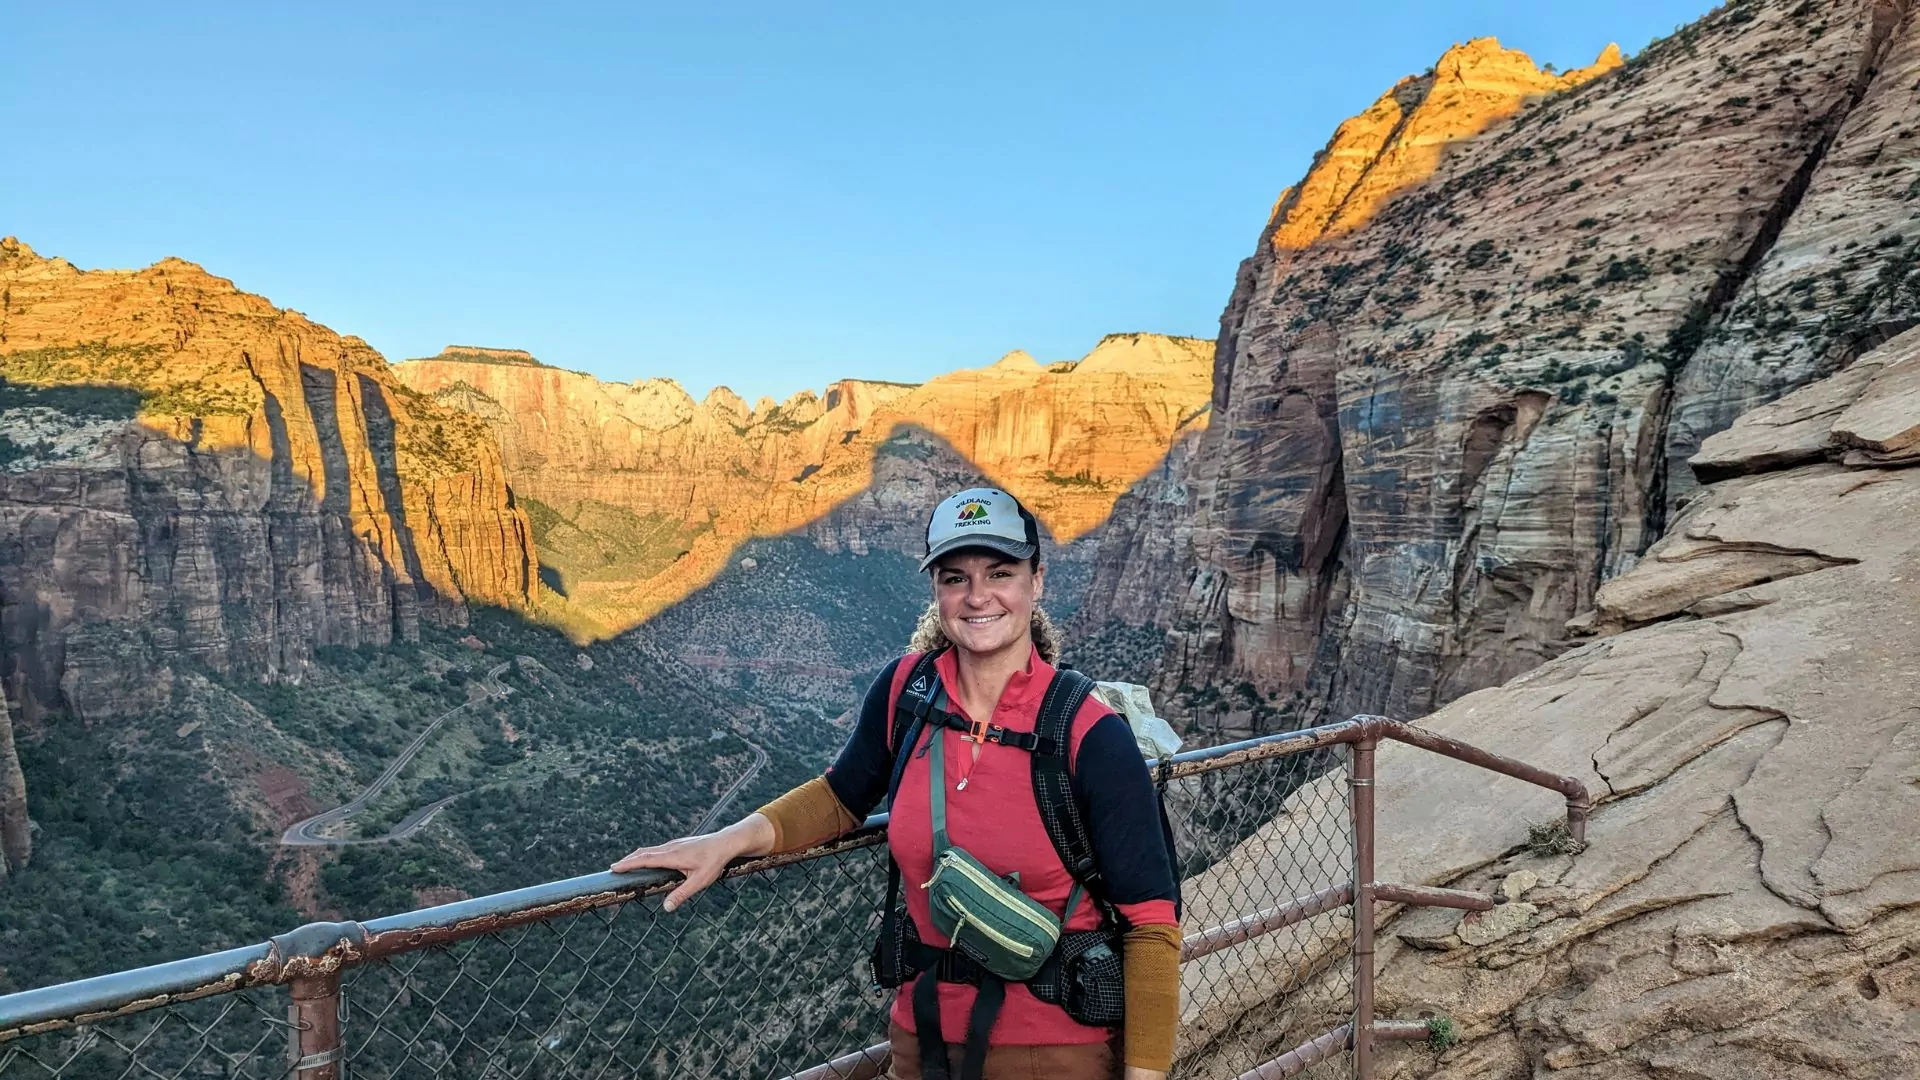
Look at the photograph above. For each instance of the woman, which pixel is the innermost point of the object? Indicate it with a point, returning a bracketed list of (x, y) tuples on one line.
[(993, 651)]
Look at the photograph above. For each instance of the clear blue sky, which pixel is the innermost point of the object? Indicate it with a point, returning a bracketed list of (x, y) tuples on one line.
[(767, 195)]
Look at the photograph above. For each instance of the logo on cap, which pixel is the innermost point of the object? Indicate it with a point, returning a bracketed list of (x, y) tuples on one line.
[(973, 511)]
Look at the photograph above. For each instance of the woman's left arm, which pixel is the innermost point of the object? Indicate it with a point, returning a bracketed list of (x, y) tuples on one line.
[(1123, 813)]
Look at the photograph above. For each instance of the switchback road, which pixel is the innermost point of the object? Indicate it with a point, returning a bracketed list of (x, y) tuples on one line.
[(309, 833), (712, 820)]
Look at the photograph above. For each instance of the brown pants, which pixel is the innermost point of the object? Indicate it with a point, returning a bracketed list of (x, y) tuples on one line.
[(1087, 1061)]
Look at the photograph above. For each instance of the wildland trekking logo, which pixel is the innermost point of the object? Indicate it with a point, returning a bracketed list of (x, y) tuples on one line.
[(973, 513)]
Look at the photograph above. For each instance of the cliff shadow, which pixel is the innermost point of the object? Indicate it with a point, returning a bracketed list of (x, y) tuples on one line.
[(383, 445), (84, 402), (129, 541), (813, 611)]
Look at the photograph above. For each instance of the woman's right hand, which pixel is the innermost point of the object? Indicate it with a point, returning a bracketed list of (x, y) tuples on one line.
[(701, 858)]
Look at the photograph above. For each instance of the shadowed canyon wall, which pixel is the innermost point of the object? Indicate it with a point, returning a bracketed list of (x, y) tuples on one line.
[(1444, 379), (260, 487), (639, 493)]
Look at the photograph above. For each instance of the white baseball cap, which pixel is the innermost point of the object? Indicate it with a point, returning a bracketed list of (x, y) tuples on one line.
[(983, 518)]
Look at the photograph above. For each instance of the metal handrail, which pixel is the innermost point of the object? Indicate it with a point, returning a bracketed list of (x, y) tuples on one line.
[(311, 958), (327, 948), (1362, 1030)]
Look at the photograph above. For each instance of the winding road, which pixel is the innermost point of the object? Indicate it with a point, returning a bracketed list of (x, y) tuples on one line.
[(308, 833), (712, 819)]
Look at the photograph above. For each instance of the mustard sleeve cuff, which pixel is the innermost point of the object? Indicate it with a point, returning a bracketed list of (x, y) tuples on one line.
[(1151, 960), (809, 814)]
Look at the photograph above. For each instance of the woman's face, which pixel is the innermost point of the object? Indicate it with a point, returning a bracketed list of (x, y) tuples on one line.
[(986, 600)]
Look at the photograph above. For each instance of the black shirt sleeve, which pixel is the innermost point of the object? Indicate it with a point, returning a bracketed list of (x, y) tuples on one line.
[(1111, 780), (859, 775)]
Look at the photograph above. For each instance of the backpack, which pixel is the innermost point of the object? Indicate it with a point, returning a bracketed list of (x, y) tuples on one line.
[(1083, 975)]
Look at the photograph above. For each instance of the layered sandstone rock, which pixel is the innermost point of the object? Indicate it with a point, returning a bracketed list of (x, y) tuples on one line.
[(1749, 900), (196, 475), (16, 837), (1441, 394), (1843, 275), (641, 493)]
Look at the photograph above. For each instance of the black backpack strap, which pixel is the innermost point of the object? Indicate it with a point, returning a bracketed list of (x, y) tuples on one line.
[(909, 717), (989, 996), (992, 994), (926, 1027), (1060, 812), (915, 704)]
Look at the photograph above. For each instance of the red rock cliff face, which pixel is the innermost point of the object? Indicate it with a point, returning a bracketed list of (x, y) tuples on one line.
[(1443, 382), (277, 490), (641, 492)]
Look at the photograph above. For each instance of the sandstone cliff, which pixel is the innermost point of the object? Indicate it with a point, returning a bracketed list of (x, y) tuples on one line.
[(1749, 900), (189, 474), (639, 493), (16, 837), (1443, 382)]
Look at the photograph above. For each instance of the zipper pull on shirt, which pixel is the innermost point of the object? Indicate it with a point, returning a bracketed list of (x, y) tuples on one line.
[(968, 775)]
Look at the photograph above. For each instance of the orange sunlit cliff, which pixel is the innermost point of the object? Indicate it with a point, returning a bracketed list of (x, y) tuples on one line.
[(639, 492), (1399, 140), (223, 481)]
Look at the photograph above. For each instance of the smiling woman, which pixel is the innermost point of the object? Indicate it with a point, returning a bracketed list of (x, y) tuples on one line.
[(984, 550), (1014, 797)]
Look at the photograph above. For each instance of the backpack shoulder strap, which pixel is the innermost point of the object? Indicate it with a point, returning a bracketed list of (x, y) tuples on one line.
[(910, 711), (1060, 812)]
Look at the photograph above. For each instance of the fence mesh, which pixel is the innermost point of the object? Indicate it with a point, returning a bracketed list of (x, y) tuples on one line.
[(1255, 837), (242, 1034), (766, 974), (759, 975)]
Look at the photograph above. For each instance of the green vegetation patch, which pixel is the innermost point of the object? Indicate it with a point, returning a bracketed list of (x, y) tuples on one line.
[(597, 541), (142, 853), (799, 614), (1082, 479), (158, 835), (905, 446), (88, 362), (201, 399), (1116, 651)]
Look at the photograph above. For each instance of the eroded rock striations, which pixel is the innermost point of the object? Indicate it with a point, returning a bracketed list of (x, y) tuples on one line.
[(1444, 379), (16, 835), (639, 493), (192, 475), (1749, 901)]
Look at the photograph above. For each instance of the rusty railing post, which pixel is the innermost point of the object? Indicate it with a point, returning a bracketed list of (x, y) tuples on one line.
[(314, 1042), (1360, 779)]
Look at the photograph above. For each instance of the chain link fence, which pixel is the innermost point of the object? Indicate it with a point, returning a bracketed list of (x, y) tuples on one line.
[(1256, 837), (765, 974), (760, 975), (242, 1034)]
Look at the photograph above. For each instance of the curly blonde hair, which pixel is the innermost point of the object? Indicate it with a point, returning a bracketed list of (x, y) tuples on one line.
[(929, 637)]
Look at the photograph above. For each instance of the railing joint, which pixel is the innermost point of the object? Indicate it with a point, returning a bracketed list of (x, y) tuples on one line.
[(318, 948)]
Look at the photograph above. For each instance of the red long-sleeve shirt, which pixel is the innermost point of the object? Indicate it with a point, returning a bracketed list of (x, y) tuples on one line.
[(996, 819)]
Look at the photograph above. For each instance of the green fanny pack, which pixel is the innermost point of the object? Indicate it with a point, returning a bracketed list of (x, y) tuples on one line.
[(983, 914)]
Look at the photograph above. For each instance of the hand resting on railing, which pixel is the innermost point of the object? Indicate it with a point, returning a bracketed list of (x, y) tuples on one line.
[(701, 858)]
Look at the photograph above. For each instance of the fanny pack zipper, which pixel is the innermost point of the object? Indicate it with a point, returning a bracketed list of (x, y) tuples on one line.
[(968, 871), (970, 919)]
